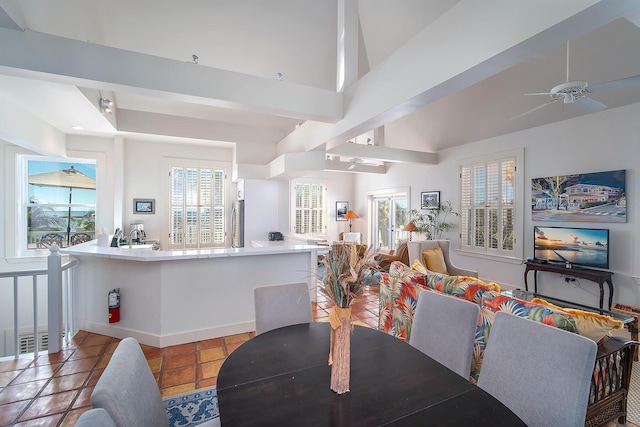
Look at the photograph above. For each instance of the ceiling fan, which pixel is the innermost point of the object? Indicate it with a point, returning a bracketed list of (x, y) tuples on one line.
[(355, 162), (576, 92)]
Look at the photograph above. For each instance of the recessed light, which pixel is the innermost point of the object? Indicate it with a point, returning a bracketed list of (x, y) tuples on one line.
[(74, 127)]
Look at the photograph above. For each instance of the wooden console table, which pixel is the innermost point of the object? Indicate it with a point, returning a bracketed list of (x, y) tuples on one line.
[(600, 277)]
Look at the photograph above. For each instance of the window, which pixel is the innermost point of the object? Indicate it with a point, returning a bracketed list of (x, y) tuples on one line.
[(310, 208), (489, 202), (59, 202), (197, 207)]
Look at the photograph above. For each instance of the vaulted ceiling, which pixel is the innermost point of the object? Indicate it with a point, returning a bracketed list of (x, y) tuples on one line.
[(435, 74)]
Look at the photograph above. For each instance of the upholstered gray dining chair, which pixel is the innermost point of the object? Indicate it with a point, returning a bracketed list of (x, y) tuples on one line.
[(128, 391), (540, 372), (281, 305), (96, 417), (444, 329)]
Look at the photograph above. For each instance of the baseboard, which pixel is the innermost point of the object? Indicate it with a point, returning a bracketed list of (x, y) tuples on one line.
[(155, 340)]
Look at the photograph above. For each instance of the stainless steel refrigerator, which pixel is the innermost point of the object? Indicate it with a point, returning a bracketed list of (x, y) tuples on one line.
[(237, 224)]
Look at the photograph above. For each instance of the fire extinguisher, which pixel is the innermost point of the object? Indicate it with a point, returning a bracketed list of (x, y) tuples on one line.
[(114, 305)]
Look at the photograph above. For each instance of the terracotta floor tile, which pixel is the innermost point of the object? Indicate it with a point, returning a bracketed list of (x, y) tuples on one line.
[(179, 360), (180, 349), (51, 420), (53, 358), (207, 382), (237, 338), (72, 417), (231, 347), (86, 352), (183, 388), (209, 369), (214, 342), (14, 393), (94, 376), (95, 340), (75, 366), (151, 352), (15, 364), (178, 376), (111, 347), (7, 377), (104, 361), (37, 373), (155, 364), (48, 405), (83, 398), (11, 411), (65, 383), (211, 354)]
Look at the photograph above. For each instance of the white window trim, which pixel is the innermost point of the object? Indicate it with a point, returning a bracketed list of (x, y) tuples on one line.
[(168, 162), (292, 204), (15, 229), (518, 229)]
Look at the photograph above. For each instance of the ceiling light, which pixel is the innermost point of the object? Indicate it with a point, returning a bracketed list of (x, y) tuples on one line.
[(74, 127), (279, 76), (105, 105), (195, 58)]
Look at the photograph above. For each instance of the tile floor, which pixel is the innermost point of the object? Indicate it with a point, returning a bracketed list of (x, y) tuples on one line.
[(54, 389)]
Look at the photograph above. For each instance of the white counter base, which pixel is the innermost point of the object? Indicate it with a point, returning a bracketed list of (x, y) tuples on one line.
[(176, 300)]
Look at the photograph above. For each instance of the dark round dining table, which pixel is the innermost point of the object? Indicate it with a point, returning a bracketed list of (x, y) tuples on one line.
[(281, 378)]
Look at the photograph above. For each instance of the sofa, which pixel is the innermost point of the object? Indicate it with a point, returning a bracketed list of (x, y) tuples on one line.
[(401, 286), (400, 253), (439, 250)]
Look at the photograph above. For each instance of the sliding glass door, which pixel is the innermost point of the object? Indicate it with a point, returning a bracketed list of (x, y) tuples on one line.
[(390, 215)]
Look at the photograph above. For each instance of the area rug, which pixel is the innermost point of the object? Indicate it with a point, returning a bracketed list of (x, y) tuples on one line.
[(192, 408)]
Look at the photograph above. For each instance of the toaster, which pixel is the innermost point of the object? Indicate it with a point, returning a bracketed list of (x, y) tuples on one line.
[(275, 235)]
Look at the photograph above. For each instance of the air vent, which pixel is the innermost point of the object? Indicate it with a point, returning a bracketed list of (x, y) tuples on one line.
[(27, 342)]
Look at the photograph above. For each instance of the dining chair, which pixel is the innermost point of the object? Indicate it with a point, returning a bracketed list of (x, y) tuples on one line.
[(96, 417), (444, 329), (128, 391), (540, 372), (281, 305)]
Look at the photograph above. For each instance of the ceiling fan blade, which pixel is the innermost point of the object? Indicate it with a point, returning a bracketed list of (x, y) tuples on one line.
[(589, 105), (541, 93), (614, 84), (534, 109)]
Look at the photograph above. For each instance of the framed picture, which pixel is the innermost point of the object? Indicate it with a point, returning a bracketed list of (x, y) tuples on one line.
[(429, 199), (341, 210), (583, 197), (144, 206)]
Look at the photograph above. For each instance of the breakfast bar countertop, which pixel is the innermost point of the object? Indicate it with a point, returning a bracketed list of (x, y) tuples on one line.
[(145, 253)]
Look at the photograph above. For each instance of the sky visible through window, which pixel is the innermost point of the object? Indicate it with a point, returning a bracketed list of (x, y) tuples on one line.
[(60, 195)]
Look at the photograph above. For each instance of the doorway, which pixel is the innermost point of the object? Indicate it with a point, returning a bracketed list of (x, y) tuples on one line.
[(390, 214)]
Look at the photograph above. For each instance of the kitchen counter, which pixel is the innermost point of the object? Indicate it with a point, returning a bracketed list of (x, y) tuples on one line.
[(176, 297), (145, 253)]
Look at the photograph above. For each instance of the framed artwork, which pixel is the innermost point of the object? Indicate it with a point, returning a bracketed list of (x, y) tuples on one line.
[(144, 206), (341, 210), (584, 197), (429, 199)]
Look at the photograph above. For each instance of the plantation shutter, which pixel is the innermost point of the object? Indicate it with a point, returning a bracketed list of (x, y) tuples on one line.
[(197, 207), (310, 209), (487, 194)]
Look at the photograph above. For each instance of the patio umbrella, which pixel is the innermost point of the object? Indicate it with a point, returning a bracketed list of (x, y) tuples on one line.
[(70, 178)]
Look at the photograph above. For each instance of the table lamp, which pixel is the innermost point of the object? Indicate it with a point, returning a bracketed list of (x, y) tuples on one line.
[(351, 215), (410, 227)]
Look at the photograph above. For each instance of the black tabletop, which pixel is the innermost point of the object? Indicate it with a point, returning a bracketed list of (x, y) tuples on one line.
[(282, 378)]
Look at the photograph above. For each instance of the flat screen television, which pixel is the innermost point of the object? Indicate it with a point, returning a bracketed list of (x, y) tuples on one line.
[(587, 247)]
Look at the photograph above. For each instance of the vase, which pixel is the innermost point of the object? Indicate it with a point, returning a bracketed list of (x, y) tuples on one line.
[(340, 353)]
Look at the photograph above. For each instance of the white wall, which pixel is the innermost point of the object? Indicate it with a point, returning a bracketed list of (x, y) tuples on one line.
[(609, 140)]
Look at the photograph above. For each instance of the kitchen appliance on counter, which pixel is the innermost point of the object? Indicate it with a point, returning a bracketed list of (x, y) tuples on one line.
[(275, 236), (137, 236)]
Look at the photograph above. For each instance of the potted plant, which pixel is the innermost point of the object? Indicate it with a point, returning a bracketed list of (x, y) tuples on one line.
[(434, 221)]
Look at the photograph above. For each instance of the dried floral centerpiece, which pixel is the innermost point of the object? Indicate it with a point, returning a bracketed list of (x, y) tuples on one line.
[(347, 267)]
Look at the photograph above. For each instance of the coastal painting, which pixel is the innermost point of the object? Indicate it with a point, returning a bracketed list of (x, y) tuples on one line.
[(586, 197)]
